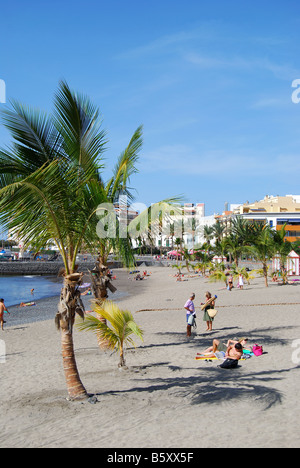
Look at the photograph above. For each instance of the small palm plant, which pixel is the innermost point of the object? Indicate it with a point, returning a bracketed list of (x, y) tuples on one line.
[(179, 268), (218, 275), (246, 274), (117, 329)]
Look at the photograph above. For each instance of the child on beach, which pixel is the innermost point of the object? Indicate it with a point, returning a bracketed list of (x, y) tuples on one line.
[(241, 281), (3, 309)]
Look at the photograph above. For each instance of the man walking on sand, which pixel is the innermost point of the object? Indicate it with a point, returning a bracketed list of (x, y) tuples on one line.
[(3, 309), (190, 314)]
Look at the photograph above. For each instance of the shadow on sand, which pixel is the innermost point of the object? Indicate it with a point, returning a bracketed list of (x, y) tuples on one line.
[(213, 385)]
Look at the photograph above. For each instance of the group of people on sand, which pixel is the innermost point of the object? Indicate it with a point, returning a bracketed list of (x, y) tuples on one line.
[(240, 283), (207, 306), (232, 351)]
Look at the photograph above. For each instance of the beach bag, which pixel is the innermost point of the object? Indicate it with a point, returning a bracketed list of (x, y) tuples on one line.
[(191, 320), (212, 312), (257, 350), (229, 364)]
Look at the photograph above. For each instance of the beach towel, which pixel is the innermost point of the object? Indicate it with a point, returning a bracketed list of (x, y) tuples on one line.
[(219, 356), (206, 358), (85, 285)]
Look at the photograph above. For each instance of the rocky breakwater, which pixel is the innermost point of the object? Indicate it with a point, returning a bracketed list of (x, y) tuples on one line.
[(30, 268), (43, 268)]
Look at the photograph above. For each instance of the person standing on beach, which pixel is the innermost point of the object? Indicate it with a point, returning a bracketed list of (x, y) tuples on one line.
[(210, 305), (3, 309), (241, 281), (190, 314), (230, 282)]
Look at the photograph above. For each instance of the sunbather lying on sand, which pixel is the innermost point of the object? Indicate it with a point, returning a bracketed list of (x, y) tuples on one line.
[(219, 346), (234, 352)]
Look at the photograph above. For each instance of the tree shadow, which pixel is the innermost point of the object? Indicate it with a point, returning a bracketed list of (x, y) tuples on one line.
[(225, 385), (216, 385), (263, 336)]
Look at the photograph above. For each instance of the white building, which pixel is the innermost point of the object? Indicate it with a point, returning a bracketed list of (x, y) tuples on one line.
[(189, 227)]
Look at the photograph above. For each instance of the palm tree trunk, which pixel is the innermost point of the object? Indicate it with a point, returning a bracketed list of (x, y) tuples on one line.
[(122, 362), (101, 282), (75, 387), (265, 270), (70, 304)]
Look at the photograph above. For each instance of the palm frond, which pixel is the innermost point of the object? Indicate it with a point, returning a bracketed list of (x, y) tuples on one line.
[(125, 168), (78, 121), (36, 141), (117, 329)]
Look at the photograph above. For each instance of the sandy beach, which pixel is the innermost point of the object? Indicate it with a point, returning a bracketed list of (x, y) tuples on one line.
[(166, 398)]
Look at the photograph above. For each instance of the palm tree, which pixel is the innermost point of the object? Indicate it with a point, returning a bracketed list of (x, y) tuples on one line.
[(218, 275), (187, 257), (282, 248), (242, 271), (114, 191), (204, 259), (208, 233), (263, 249), (119, 330), (50, 189), (172, 233), (178, 243), (234, 247), (179, 267), (242, 229), (221, 247), (218, 231), (155, 220)]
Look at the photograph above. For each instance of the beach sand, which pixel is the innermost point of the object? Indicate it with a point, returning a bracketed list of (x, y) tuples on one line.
[(166, 398)]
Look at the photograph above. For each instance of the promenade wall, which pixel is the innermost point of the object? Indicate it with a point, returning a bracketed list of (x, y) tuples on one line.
[(43, 268)]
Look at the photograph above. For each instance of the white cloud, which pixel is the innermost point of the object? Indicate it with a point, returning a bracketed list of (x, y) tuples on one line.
[(218, 164), (159, 44), (282, 71), (270, 102)]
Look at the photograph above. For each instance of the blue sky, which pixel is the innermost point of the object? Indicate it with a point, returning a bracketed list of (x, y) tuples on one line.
[(211, 82)]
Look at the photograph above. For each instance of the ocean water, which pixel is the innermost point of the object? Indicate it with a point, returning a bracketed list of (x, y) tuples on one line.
[(16, 289)]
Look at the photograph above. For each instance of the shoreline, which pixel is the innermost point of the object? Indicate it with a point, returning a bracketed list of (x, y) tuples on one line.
[(46, 307)]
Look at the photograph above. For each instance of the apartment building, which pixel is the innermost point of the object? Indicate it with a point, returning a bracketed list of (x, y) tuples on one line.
[(277, 211)]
